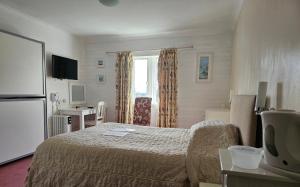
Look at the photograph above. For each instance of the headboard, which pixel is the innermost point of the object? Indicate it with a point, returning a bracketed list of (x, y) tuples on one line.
[(242, 115)]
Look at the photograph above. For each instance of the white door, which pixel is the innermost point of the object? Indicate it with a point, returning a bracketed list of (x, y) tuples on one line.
[(21, 127), (21, 66)]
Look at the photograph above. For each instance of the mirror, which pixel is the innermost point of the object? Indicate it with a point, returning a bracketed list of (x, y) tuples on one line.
[(77, 93)]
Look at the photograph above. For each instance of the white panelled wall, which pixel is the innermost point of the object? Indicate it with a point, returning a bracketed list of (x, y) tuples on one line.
[(193, 98), (267, 48)]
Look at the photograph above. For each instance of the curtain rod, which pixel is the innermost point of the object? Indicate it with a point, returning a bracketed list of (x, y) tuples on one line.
[(184, 47)]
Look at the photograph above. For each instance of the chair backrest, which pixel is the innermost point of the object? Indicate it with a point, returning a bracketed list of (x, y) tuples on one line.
[(142, 111), (100, 112)]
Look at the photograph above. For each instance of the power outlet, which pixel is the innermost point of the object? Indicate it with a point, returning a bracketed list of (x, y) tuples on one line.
[(54, 97)]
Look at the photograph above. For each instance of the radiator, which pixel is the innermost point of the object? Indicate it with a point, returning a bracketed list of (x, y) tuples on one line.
[(60, 124)]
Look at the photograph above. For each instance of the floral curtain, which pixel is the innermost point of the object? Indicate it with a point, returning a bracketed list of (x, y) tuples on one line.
[(167, 81), (124, 106)]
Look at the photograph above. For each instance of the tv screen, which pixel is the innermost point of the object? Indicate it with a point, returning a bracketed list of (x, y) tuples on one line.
[(64, 68)]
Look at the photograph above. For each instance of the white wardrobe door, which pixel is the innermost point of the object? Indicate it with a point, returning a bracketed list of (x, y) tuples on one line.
[(21, 66), (21, 128)]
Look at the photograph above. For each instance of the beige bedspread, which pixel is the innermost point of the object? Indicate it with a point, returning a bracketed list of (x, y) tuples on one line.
[(147, 157)]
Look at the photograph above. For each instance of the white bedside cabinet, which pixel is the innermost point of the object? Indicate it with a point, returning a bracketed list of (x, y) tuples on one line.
[(218, 114), (234, 176)]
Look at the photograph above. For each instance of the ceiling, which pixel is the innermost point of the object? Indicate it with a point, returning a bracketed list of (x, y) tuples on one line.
[(131, 17)]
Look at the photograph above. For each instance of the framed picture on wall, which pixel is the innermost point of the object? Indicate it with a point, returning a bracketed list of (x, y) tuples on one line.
[(204, 67), (101, 78), (100, 63)]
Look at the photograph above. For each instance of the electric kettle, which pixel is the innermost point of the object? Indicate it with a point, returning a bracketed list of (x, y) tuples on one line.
[(281, 139)]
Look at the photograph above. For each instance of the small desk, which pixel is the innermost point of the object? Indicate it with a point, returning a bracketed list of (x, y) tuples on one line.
[(234, 176), (81, 112)]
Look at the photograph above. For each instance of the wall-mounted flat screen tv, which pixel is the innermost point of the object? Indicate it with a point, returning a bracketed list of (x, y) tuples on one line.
[(64, 68)]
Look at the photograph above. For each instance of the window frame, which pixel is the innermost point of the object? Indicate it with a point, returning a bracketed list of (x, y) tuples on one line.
[(149, 59), (147, 82)]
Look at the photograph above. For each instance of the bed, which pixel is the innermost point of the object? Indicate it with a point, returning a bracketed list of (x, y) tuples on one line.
[(148, 156)]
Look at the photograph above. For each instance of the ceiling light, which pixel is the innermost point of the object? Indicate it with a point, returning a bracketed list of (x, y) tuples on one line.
[(109, 2)]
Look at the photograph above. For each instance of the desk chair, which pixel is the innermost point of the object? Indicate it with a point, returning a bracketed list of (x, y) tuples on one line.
[(99, 117), (100, 112)]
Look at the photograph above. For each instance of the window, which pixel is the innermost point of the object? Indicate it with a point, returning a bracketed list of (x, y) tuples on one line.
[(145, 77), (145, 82), (141, 77)]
